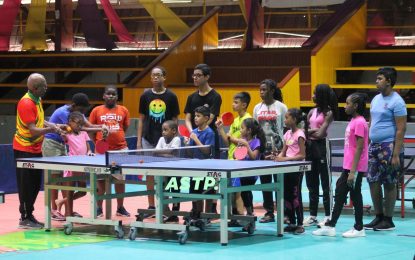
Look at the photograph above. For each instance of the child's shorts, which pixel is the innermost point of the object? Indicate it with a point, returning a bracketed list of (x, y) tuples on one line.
[(380, 168)]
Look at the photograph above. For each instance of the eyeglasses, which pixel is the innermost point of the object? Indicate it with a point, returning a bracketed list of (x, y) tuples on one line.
[(197, 75), (153, 76)]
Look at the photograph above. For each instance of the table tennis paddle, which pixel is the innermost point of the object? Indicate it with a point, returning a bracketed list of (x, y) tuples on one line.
[(183, 131), (227, 118), (101, 146), (240, 152)]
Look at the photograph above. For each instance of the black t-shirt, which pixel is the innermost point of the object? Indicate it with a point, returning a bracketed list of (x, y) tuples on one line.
[(212, 100), (157, 108)]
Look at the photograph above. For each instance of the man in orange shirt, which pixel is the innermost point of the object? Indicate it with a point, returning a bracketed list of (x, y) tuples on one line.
[(27, 143), (117, 119)]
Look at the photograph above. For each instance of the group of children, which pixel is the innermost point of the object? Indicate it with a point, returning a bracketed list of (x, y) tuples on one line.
[(247, 131)]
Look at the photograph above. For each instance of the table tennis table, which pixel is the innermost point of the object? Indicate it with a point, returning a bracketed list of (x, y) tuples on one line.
[(409, 156), (101, 166)]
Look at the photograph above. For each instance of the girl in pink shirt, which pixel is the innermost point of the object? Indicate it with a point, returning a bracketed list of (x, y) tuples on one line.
[(77, 142), (318, 152), (293, 150), (354, 166)]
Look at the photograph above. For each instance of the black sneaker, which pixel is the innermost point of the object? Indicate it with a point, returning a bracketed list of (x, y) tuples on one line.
[(267, 218), (34, 220), (29, 224), (384, 225), (149, 215), (122, 212), (290, 228), (299, 230), (374, 222)]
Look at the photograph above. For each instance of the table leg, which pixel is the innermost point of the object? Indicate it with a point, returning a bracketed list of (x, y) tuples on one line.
[(48, 222), (159, 198), (223, 189), (280, 204), (93, 200), (108, 201)]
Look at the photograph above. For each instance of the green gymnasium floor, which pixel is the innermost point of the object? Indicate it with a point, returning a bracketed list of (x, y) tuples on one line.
[(88, 242)]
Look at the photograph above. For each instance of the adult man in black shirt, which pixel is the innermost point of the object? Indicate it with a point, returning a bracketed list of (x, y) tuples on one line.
[(157, 105)]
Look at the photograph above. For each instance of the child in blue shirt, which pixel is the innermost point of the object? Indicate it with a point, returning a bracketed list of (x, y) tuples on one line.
[(200, 136)]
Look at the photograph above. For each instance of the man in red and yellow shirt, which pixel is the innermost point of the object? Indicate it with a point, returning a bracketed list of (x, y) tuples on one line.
[(117, 120), (27, 142)]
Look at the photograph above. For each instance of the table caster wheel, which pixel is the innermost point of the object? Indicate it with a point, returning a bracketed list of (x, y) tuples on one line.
[(133, 233), (67, 229), (119, 232), (186, 220), (200, 224), (182, 236), (249, 228)]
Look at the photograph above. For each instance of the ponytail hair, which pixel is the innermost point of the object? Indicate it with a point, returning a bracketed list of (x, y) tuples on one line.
[(256, 131), (272, 85), (326, 100), (297, 114), (360, 99)]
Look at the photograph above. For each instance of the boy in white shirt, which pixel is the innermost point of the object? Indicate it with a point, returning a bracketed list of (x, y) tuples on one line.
[(169, 140)]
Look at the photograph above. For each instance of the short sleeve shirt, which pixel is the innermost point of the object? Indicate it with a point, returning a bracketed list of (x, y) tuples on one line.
[(212, 100), (174, 143), (291, 141), (271, 119), (77, 143), (117, 119), (383, 111), (59, 116), (206, 137), (157, 108), (235, 131), (356, 127), (29, 110)]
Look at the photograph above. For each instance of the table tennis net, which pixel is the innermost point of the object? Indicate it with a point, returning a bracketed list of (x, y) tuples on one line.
[(336, 163), (336, 143), (157, 155)]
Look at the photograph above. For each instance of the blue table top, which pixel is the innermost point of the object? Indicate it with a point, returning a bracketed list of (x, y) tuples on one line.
[(185, 164)]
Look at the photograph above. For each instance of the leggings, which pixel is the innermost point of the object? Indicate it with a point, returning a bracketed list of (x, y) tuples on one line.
[(342, 189), (320, 170), (292, 197)]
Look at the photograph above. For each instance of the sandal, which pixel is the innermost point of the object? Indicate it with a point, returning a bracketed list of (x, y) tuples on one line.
[(76, 214), (57, 216)]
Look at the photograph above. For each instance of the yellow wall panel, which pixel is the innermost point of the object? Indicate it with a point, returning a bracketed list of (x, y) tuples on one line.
[(336, 52), (291, 89)]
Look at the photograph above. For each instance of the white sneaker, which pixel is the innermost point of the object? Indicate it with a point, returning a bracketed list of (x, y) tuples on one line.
[(354, 233), (323, 222), (325, 231), (310, 221)]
